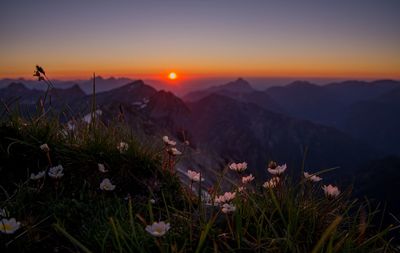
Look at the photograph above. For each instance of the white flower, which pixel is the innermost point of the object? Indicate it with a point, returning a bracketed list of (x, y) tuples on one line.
[(39, 175), (45, 147), (239, 167), (194, 176), (228, 196), (122, 147), (331, 191), (278, 170), (9, 226), (168, 142), (247, 179), (152, 201), (272, 183), (102, 168), (106, 185), (174, 152), (158, 228), (71, 125), (311, 177), (56, 172), (88, 117), (219, 199), (206, 198), (228, 208)]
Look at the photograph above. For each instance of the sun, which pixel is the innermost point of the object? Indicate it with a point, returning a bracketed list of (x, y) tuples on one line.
[(172, 76)]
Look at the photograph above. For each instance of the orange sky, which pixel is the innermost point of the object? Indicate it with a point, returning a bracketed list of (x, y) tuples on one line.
[(342, 39)]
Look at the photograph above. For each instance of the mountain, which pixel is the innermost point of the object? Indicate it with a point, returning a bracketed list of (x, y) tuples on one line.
[(240, 90), (327, 104), (102, 84), (68, 94), (305, 100), (376, 121), (243, 131), (367, 111), (349, 92), (161, 106), (23, 95), (129, 93), (169, 111), (18, 92), (240, 86), (222, 129)]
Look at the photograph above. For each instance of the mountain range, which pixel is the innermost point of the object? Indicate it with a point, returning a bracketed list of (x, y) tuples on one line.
[(367, 111), (236, 122)]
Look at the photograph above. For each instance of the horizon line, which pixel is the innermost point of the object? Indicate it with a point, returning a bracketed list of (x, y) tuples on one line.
[(234, 77)]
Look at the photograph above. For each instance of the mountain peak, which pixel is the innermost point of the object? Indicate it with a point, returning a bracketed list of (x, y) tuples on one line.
[(138, 82), (239, 85), (301, 84), (76, 89), (240, 80), (17, 86), (132, 85), (128, 93)]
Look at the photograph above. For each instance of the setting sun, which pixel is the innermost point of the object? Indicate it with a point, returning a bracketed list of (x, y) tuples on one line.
[(172, 76)]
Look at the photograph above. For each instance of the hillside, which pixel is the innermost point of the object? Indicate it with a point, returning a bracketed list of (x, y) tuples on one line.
[(239, 130), (89, 189)]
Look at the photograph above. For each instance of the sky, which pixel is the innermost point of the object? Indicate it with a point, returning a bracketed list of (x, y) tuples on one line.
[(201, 38)]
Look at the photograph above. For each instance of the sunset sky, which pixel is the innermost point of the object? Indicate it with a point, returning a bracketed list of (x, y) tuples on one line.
[(72, 39)]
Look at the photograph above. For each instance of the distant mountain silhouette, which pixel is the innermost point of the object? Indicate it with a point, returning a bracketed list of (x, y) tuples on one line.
[(22, 95), (74, 92), (240, 90), (327, 104), (376, 121), (240, 86), (102, 84), (19, 92)]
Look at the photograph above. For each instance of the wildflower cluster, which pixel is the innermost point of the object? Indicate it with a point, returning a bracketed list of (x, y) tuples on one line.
[(170, 153), (194, 176), (54, 172), (123, 147), (238, 167)]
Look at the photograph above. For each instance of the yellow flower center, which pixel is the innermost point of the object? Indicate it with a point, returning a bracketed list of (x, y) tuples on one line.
[(6, 227), (158, 230)]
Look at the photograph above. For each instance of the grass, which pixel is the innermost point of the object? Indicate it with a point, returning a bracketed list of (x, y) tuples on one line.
[(72, 214)]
